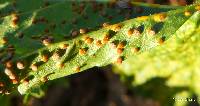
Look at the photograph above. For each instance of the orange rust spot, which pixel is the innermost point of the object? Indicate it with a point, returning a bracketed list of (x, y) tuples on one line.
[(14, 81), (9, 64), (161, 40), (44, 58), (85, 37), (44, 79), (121, 45), (25, 81), (12, 76), (1, 84), (15, 20), (119, 51), (46, 41), (60, 64), (119, 60), (89, 40), (133, 32), (64, 46), (116, 27), (135, 49), (160, 17), (77, 69), (106, 38), (98, 43), (82, 51), (151, 32), (20, 65), (34, 67), (130, 32)]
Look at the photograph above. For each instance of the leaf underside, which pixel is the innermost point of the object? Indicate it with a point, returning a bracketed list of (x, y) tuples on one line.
[(64, 55)]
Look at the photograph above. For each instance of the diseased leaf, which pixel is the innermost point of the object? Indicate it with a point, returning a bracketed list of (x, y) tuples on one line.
[(112, 44), (34, 48)]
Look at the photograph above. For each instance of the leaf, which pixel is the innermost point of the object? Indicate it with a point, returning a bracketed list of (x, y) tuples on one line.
[(7, 7), (32, 25), (177, 59), (61, 58), (84, 51)]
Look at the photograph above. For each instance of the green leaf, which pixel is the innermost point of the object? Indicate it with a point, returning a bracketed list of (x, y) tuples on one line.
[(83, 51), (38, 63), (8, 7), (177, 59)]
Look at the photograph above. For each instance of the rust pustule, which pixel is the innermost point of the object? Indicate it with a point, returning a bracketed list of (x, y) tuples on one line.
[(2, 84), (44, 79), (135, 49), (119, 51), (14, 81), (15, 20), (121, 45), (60, 64), (44, 58), (82, 51), (20, 65), (64, 46), (119, 60), (161, 40), (9, 64), (34, 67), (77, 69), (133, 31), (116, 27), (89, 40), (83, 30), (98, 43), (8, 71), (106, 38), (151, 32), (25, 81), (130, 32), (47, 41)]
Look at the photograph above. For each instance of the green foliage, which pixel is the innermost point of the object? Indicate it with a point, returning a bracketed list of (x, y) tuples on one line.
[(177, 61), (39, 44), (24, 29)]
